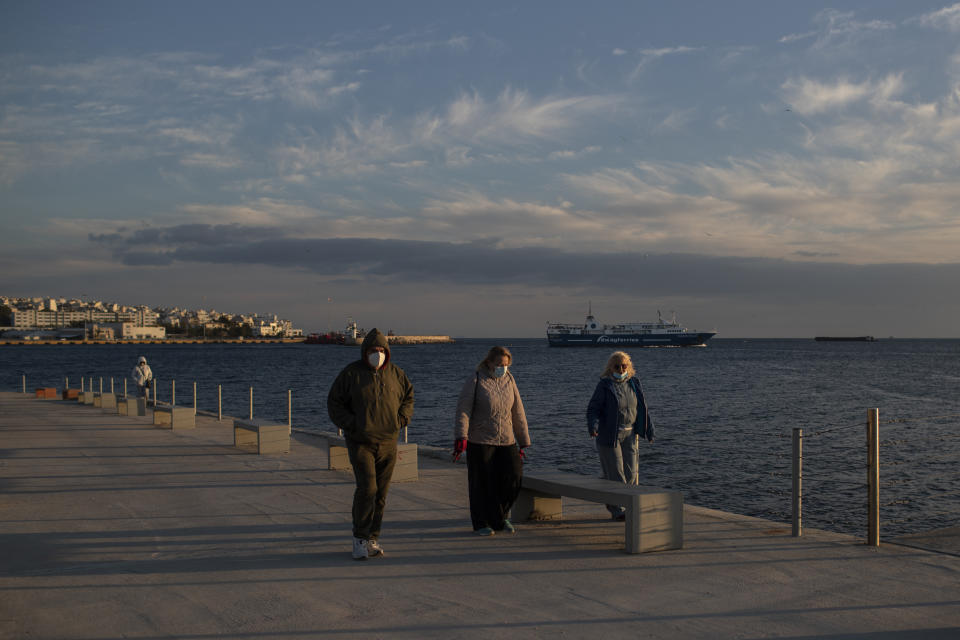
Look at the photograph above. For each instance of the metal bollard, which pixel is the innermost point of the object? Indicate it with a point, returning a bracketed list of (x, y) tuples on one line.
[(873, 477), (797, 482)]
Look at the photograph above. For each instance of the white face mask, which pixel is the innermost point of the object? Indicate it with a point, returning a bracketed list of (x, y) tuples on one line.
[(376, 358), (499, 372)]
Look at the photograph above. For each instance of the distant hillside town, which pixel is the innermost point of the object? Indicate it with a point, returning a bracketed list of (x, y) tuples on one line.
[(73, 319)]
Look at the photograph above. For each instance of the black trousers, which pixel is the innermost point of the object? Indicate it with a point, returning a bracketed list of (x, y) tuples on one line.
[(373, 464), (494, 474)]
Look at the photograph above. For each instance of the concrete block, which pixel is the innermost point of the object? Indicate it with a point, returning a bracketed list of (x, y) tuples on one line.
[(46, 393), (130, 406), (108, 402), (71, 394), (167, 417), (261, 437), (533, 505)]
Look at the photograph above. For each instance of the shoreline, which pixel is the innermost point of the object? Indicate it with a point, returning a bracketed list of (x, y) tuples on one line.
[(397, 340)]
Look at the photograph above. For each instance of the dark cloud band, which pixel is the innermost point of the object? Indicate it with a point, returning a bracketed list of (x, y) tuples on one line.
[(484, 263)]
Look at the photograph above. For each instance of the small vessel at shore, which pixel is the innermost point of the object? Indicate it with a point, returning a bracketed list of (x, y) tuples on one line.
[(845, 339), (351, 335), (661, 333)]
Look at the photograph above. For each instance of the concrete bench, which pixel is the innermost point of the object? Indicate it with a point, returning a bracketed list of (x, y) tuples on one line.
[(654, 516), (130, 406), (45, 393), (87, 398), (261, 437), (108, 402), (405, 470), (170, 417), (71, 394)]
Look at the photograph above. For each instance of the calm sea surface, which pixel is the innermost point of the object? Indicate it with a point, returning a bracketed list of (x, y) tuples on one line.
[(723, 413)]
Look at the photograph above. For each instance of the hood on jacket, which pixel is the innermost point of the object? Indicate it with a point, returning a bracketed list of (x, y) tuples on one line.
[(375, 339)]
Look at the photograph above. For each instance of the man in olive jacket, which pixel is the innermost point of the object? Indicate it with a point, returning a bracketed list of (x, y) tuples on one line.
[(371, 401)]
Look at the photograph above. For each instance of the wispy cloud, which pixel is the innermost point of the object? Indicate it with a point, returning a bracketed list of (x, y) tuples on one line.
[(812, 96), (649, 56), (947, 18), (836, 29), (468, 128)]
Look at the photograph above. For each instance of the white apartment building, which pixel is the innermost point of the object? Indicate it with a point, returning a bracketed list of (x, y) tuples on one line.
[(35, 318), (130, 331), (277, 328)]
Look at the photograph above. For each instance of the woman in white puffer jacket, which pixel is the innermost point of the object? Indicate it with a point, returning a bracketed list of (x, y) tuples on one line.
[(491, 426)]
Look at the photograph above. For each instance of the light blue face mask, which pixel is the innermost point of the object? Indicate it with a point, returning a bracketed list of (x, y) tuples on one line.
[(620, 376), (499, 372)]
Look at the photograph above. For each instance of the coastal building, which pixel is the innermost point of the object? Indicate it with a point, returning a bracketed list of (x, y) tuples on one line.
[(39, 314), (130, 331), (275, 328), (36, 318)]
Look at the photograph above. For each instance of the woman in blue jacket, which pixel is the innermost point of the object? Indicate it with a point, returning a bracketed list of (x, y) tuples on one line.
[(617, 417)]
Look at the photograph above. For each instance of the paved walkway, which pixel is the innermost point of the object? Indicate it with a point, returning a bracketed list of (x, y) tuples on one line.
[(110, 528)]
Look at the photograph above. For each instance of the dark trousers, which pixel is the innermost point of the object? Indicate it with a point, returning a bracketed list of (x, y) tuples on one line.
[(373, 464), (494, 474)]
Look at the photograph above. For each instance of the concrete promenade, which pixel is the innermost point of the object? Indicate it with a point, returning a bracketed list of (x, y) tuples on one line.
[(111, 528)]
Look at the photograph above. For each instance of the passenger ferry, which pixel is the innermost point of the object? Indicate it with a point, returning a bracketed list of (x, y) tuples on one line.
[(629, 334)]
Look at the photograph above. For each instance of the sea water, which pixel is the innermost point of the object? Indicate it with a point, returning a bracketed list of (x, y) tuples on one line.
[(723, 413)]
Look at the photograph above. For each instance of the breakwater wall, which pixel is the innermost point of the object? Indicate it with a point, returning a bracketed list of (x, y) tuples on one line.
[(420, 339), (198, 341), (401, 340)]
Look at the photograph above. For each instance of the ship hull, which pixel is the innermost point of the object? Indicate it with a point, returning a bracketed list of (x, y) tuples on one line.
[(629, 340)]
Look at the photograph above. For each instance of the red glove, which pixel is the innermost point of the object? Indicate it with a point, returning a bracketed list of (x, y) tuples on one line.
[(523, 456), (459, 446)]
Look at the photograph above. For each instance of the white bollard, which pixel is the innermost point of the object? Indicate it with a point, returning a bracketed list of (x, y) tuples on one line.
[(797, 482), (873, 478)]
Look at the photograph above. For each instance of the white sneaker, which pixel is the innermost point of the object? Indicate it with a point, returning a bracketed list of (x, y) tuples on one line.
[(360, 549), (373, 548)]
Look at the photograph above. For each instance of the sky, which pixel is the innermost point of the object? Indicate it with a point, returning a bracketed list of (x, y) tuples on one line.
[(763, 169)]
